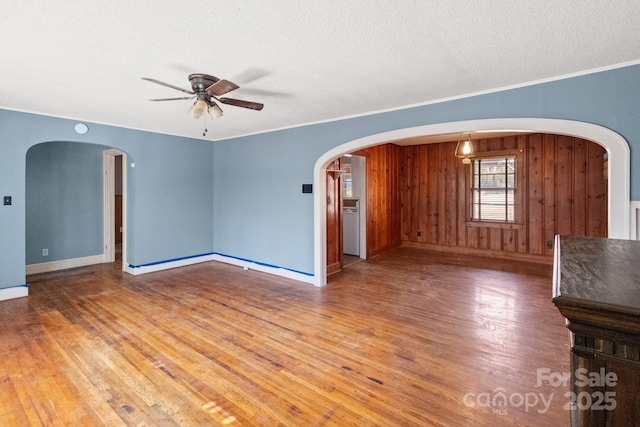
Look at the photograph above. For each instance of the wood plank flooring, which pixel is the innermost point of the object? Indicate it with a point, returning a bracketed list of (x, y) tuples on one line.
[(408, 338)]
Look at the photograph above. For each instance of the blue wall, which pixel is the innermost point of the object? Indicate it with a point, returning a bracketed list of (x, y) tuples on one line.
[(242, 197), (261, 214), (170, 190)]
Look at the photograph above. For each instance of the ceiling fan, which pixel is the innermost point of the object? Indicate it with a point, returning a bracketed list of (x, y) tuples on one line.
[(207, 91)]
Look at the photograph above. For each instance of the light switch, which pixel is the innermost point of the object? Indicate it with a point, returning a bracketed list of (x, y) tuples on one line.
[(7, 200)]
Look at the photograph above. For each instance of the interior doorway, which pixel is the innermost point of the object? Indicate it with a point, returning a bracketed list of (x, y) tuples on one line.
[(118, 224), (618, 171), (115, 189), (333, 187), (354, 211), (346, 184)]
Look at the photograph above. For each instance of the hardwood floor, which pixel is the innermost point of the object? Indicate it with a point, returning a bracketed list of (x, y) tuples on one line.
[(349, 260), (408, 338)]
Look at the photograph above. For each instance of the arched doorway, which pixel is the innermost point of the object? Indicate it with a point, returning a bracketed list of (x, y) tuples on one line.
[(69, 198), (617, 148)]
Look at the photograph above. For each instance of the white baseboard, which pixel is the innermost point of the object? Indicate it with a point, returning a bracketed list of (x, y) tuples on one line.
[(14, 292), (64, 264), (150, 268), (277, 271)]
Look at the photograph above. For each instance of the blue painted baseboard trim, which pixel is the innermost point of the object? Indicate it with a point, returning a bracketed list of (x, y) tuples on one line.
[(150, 264), (264, 264), (24, 285)]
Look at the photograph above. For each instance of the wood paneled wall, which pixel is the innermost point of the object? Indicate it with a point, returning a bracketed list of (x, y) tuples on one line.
[(562, 177), (383, 166), (419, 195)]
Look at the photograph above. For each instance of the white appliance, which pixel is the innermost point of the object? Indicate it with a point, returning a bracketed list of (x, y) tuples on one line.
[(351, 227)]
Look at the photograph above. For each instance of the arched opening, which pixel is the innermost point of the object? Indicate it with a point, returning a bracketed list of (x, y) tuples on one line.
[(70, 205), (618, 171)]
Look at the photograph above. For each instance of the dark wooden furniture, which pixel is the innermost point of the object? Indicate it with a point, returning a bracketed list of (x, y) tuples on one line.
[(597, 289)]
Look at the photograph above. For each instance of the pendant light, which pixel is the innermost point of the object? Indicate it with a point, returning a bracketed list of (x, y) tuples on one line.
[(464, 149)]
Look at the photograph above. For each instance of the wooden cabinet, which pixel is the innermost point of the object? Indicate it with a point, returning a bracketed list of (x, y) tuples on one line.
[(597, 289)]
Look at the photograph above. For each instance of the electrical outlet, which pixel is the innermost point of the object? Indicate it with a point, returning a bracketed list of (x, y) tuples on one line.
[(7, 200), (419, 233), (45, 252)]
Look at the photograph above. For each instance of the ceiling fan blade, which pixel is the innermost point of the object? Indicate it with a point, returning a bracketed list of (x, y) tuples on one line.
[(221, 87), (167, 85), (172, 99), (241, 103)]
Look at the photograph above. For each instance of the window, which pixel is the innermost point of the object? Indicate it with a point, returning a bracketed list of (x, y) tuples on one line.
[(347, 180), (493, 189)]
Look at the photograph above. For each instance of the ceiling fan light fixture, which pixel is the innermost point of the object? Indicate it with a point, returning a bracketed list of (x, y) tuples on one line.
[(206, 89), (215, 111), (198, 108)]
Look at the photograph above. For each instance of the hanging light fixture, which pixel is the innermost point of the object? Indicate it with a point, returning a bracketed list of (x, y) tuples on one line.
[(202, 105), (214, 110), (205, 104), (198, 108), (464, 149)]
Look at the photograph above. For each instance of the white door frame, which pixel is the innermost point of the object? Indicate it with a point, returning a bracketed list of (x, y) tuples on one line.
[(109, 162), (619, 183)]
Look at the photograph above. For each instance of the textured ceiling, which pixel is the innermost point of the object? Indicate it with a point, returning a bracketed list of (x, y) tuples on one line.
[(307, 61)]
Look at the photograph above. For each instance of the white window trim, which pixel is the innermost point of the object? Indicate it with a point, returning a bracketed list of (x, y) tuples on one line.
[(470, 196)]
